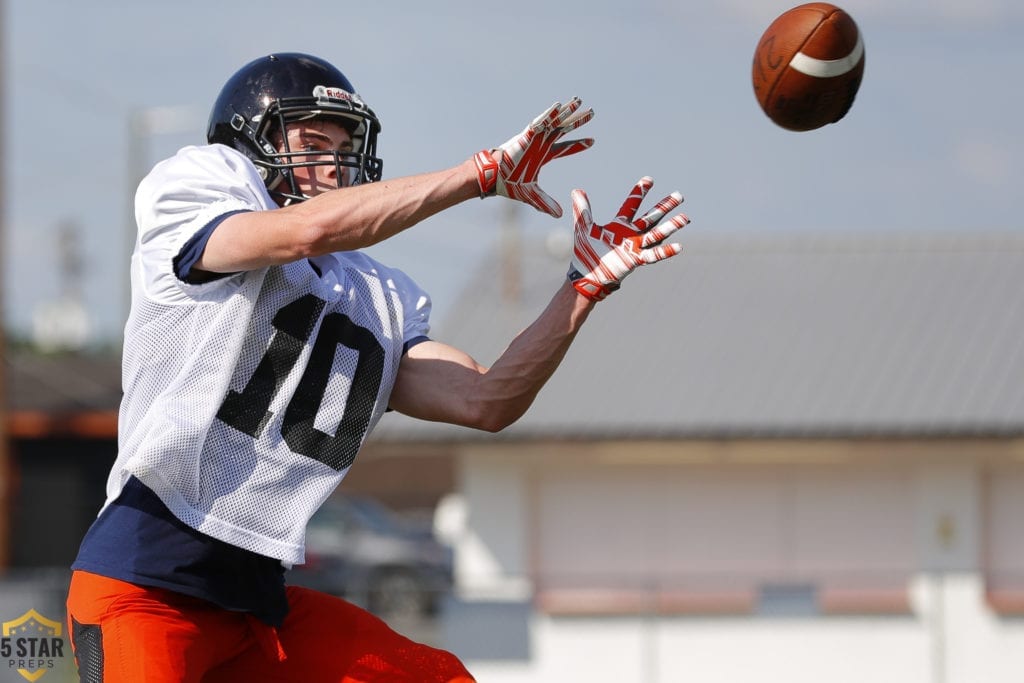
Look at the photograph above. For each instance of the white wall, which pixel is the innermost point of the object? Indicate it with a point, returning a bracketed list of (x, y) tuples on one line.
[(547, 522), (718, 650)]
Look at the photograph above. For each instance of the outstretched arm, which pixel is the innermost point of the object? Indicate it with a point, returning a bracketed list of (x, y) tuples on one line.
[(350, 218), (440, 383)]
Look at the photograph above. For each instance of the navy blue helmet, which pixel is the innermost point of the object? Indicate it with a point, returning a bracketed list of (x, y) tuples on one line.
[(267, 94)]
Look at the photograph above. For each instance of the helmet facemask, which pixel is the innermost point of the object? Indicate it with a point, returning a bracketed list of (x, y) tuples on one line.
[(277, 161)]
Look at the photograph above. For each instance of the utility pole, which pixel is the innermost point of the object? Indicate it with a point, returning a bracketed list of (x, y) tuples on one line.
[(511, 255), (5, 468)]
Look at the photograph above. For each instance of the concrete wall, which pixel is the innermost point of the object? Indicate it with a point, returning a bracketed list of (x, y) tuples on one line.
[(743, 561)]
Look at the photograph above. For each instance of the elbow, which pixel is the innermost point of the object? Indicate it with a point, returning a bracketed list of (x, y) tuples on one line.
[(487, 402), (493, 419), (493, 426)]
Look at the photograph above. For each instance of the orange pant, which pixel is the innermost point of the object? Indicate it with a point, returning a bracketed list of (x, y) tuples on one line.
[(124, 633)]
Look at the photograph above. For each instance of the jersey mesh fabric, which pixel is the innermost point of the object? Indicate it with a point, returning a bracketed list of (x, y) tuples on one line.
[(247, 398)]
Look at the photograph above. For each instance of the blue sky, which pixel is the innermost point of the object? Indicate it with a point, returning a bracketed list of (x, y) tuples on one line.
[(933, 142)]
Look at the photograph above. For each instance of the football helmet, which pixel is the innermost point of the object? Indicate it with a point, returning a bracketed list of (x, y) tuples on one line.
[(267, 94)]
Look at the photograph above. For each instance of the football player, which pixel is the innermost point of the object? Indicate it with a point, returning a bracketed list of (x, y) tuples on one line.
[(262, 347)]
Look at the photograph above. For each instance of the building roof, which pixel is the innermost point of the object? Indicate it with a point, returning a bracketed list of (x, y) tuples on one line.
[(62, 394), (799, 335)]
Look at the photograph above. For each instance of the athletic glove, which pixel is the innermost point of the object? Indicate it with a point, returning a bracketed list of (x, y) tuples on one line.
[(512, 169), (603, 255)]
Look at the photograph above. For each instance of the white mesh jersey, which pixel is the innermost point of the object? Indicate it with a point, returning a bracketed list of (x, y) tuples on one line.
[(247, 398)]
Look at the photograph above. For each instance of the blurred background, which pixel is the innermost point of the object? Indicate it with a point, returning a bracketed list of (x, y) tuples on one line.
[(793, 453)]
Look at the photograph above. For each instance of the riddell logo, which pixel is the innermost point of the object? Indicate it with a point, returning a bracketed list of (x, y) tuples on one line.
[(322, 92), (31, 644)]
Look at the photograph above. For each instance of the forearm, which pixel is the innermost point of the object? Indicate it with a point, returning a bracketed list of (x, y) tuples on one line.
[(357, 217), (508, 388)]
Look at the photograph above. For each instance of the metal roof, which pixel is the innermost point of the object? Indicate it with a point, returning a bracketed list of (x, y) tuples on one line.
[(62, 383), (795, 335)]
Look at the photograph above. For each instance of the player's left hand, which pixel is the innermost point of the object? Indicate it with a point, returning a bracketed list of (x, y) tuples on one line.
[(511, 170), (603, 255)]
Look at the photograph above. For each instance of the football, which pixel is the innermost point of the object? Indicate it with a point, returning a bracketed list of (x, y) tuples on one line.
[(808, 66)]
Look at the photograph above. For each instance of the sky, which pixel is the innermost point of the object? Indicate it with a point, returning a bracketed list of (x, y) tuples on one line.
[(933, 142)]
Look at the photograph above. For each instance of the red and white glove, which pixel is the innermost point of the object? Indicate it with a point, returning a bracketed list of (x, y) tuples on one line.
[(512, 169), (603, 255)]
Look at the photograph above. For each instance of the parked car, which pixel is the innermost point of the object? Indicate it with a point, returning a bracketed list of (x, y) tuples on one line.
[(361, 550)]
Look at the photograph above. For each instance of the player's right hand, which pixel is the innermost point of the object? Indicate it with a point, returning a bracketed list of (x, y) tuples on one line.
[(511, 170), (603, 255)]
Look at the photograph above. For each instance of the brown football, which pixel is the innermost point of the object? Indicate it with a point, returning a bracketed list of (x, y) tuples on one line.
[(808, 66)]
